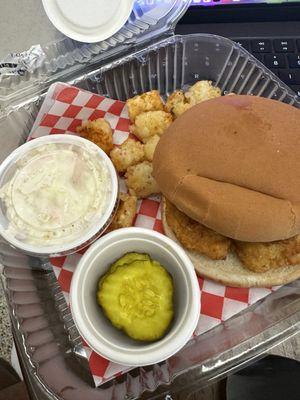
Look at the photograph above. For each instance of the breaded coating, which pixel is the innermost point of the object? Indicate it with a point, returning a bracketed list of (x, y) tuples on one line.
[(140, 181), (151, 123), (150, 146), (196, 237), (131, 152), (150, 101), (261, 257), (125, 214), (201, 91), (99, 132), (177, 103)]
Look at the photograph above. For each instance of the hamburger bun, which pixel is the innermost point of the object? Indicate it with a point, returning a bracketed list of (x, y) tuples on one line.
[(231, 272), (233, 165)]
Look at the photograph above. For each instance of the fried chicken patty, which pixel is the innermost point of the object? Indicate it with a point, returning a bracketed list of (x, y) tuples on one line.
[(196, 237), (261, 257), (257, 257)]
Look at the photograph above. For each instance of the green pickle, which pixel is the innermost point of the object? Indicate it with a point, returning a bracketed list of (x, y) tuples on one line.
[(126, 259), (136, 295), (129, 258)]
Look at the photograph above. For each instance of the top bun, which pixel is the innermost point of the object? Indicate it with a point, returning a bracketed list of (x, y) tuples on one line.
[(233, 164)]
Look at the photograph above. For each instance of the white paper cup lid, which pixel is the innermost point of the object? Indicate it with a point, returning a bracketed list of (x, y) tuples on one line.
[(88, 20)]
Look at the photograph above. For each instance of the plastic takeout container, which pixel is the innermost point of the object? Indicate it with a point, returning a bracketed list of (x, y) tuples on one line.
[(88, 21), (18, 224), (95, 328), (54, 362)]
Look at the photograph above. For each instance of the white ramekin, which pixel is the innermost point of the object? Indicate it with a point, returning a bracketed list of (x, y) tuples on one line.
[(88, 316)]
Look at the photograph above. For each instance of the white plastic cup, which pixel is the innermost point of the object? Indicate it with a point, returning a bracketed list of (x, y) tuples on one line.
[(89, 318), (96, 227)]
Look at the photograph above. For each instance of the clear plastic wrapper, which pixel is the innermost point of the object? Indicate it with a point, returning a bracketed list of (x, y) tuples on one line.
[(20, 63), (47, 339)]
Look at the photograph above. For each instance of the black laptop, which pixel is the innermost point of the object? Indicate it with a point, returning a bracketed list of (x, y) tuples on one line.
[(269, 29)]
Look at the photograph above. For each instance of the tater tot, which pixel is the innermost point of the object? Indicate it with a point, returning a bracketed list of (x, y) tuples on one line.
[(200, 91), (151, 123), (140, 181), (99, 132), (150, 146), (150, 101), (125, 214), (131, 152), (177, 103)]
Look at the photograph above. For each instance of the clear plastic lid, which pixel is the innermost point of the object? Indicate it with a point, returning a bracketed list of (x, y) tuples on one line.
[(57, 194)]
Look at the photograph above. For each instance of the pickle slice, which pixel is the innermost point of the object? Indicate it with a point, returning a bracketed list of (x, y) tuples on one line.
[(126, 259), (138, 298)]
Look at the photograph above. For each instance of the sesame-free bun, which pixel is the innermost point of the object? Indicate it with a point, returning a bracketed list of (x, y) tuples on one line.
[(233, 164)]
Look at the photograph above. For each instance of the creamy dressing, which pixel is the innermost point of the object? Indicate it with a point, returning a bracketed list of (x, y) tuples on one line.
[(55, 195)]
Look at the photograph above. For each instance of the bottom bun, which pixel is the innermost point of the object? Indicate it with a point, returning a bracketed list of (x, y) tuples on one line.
[(231, 272)]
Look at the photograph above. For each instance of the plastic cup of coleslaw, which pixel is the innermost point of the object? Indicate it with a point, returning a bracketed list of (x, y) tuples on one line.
[(58, 194)]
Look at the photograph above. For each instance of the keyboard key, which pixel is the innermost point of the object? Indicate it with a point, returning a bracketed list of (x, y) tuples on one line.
[(284, 45), (294, 60), (244, 43), (296, 89), (259, 56), (275, 71), (275, 60), (298, 44), (261, 46), (290, 77)]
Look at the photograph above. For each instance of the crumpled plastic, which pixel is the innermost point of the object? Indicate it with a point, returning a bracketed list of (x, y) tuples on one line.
[(19, 63)]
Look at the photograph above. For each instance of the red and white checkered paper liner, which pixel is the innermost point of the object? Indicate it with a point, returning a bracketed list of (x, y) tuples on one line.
[(64, 108)]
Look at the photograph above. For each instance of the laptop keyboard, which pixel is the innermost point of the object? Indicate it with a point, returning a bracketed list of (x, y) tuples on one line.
[(281, 56)]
